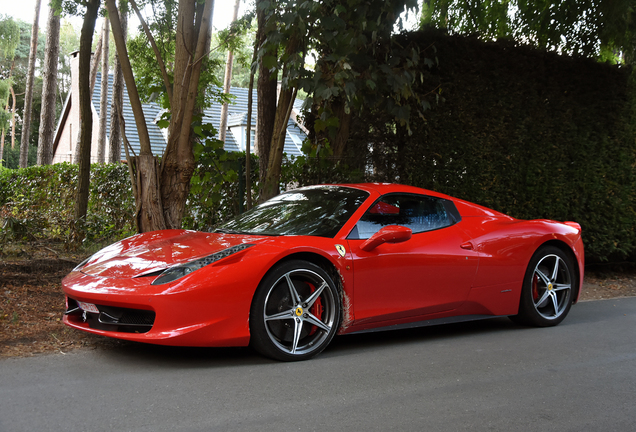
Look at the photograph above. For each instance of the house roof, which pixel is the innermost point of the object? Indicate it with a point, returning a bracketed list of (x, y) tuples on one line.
[(151, 112), (237, 117)]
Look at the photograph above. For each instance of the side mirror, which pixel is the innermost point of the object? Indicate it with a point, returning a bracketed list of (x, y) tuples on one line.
[(388, 234)]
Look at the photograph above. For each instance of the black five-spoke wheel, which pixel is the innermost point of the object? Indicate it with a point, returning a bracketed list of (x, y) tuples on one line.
[(548, 288), (295, 313)]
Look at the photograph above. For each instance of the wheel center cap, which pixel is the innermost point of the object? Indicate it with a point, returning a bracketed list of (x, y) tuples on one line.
[(298, 311), (549, 287)]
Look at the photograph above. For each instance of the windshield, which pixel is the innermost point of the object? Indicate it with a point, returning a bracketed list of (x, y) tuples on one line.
[(315, 211)]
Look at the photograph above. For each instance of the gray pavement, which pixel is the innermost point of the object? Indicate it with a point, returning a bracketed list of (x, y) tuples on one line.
[(482, 376)]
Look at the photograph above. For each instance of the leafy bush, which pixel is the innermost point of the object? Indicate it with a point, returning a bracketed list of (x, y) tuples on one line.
[(38, 203), (217, 188)]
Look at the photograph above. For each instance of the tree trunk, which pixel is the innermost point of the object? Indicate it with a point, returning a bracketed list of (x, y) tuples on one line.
[(28, 98), (49, 90), (86, 124), (4, 130), (115, 138), (96, 61), (227, 80), (178, 164), (13, 100), (149, 208), (269, 183), (339, 140), (248, 158), (129, 79), (94, 68), (149, 215), (266, 113), (103, 99), (269, 188)]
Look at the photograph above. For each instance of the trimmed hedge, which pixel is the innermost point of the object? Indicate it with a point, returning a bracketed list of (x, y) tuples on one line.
[(38, 203), (529, 133)]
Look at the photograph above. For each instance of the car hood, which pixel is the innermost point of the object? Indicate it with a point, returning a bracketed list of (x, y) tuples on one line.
[(151, 252)]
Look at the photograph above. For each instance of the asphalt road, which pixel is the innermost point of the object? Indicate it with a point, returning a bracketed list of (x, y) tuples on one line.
[(481, 376)]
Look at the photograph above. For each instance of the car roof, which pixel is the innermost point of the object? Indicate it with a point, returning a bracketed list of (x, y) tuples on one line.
[(385, 188), (465, 208)]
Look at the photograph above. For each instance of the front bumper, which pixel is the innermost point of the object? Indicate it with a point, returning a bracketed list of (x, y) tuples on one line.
[(190, 313)]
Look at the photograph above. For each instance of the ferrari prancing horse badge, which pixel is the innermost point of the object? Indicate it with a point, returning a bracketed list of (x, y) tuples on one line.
[(341, 250)]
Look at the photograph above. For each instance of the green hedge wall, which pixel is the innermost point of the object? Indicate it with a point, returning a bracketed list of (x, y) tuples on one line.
[(38, 203), (525, 132)]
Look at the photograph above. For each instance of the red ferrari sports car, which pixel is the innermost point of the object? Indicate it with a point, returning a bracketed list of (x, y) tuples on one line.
[(290, 274)]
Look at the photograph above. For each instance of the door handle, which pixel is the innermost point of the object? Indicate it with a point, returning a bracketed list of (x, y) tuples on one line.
[(467, 246)]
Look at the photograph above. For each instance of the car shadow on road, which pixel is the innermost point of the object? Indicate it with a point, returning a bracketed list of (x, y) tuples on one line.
[(348, 343), (198, 357)]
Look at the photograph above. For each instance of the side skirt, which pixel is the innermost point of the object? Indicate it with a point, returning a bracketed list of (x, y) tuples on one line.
[(426, 323)]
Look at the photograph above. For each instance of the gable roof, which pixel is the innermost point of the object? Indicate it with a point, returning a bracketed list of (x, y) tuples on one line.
[(151, 113), (237, 118)]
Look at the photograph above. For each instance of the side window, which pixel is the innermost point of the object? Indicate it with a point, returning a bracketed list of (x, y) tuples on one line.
[(419, 212)]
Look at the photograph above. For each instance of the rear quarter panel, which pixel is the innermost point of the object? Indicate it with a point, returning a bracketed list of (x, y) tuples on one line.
[(505, 246)]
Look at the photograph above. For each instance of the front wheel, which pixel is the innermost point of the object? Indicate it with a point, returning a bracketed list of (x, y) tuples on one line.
[(548, 288), (295, 312)]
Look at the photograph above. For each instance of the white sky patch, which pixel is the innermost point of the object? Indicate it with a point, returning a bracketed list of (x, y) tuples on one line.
[(25, 11)]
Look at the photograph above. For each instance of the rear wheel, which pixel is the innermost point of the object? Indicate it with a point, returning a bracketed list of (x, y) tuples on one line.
[(295, 312), (548, 288)]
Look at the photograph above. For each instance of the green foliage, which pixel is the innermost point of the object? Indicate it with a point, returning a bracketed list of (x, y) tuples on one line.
[(5, 115), (9, 37), (148, 78), (239, 37), (11, 157), (359, 64), (311, 169), (218, 184), (592, 28), (38, 202), (16, 68)]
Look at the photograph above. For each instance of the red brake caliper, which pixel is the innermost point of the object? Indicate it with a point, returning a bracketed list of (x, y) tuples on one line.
[(535, 288), (317, 309)]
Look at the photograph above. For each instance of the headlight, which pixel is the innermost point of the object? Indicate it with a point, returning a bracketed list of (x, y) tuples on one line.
[(180, 270)]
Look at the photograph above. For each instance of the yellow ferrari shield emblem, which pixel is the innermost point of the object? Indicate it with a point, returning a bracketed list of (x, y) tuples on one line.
[(299, 311), (341, 250)]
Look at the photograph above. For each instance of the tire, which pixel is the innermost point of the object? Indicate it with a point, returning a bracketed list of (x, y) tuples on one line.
[(548, 288), (295, 313)]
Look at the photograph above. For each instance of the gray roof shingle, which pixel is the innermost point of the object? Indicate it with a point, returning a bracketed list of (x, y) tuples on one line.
[(237, 116)]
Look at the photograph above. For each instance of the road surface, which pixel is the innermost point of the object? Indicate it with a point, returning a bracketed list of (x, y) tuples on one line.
[(480, 376)]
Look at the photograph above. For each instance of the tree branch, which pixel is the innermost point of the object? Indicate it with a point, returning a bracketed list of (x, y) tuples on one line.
[(129, 79), (151, 39)]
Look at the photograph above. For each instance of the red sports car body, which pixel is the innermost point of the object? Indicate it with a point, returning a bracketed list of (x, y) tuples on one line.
[(310, 263)]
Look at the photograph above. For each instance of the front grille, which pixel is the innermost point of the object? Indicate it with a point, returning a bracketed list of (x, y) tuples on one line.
[(137, 317), (113, 318)]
